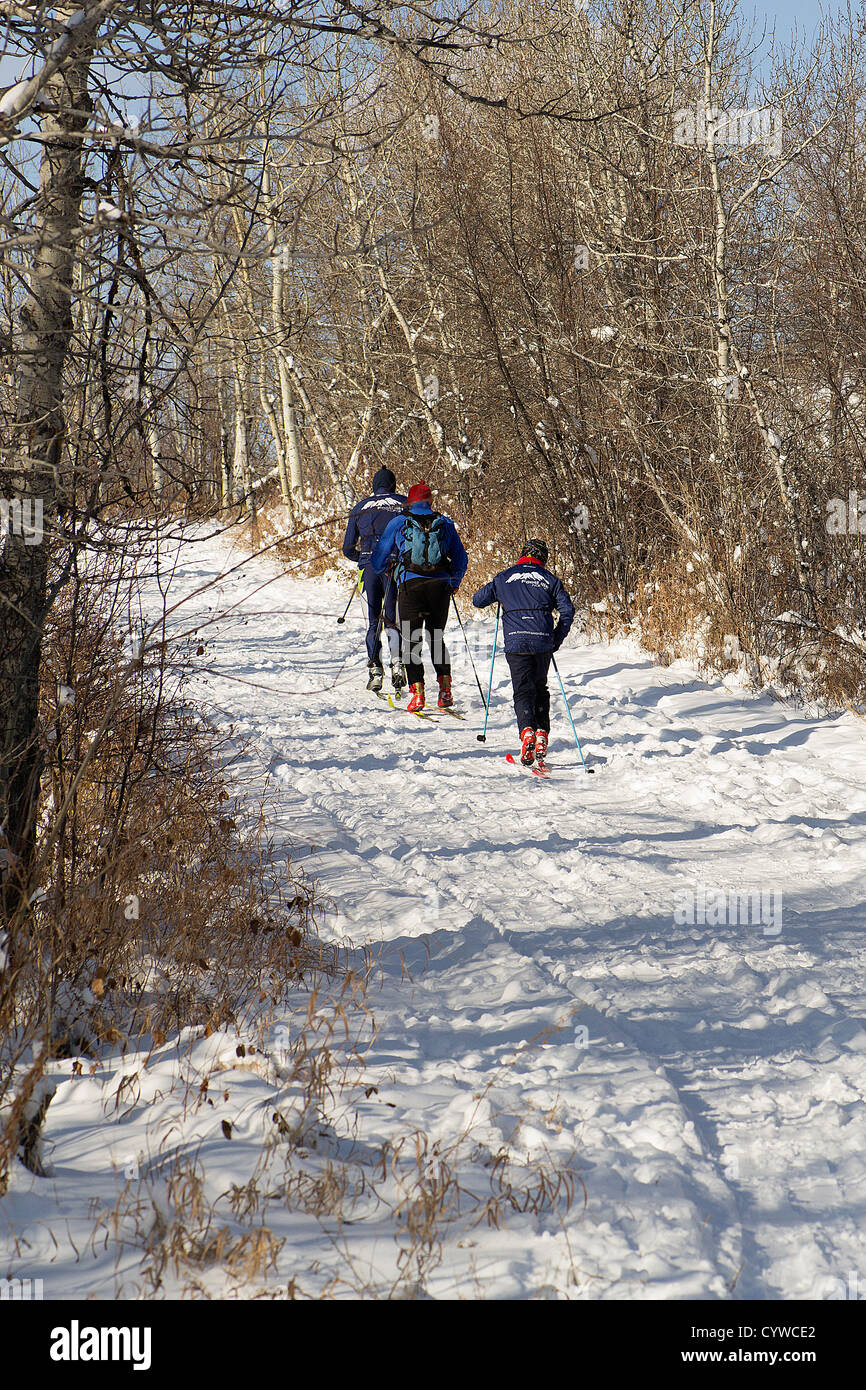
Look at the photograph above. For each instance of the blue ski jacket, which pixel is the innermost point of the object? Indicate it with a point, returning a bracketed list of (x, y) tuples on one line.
[(528, 594), (392, 541), (367, 520)]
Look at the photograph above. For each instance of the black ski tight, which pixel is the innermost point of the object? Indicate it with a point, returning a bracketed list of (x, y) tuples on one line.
[(423, 606), (531, 695)]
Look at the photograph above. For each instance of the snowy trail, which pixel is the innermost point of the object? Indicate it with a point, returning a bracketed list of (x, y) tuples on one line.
[(717, 1110), (706, 1081)]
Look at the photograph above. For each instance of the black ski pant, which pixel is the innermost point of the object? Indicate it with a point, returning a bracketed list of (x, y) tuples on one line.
[(380, 591), (423, 606), (531, 695)]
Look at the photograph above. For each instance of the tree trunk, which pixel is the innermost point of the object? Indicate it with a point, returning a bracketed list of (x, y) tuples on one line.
[(31, 467), (241, 463), (290, 430)]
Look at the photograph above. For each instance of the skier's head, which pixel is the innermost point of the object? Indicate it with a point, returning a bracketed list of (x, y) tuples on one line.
[(535, 550), (419, 492), (384, 481)]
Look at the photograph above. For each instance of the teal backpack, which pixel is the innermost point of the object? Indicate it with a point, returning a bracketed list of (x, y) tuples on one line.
[(424, 544)]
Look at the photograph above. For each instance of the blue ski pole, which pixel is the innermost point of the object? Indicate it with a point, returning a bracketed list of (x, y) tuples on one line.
[(468, 649), (570, 720), (482, 737)]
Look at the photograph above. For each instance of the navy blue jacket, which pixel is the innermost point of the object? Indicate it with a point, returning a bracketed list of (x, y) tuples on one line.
[(392, 541), (367, 520), (528, 594)]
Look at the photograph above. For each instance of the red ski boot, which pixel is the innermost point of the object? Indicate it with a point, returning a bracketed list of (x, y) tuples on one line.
[(540, 745), (527, 747), (417, 701), (446, 699)]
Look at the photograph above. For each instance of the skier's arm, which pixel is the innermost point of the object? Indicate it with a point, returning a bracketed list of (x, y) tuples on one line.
[(384, 546), (565, 608), (350, 544), (485, 595), (458, 557)]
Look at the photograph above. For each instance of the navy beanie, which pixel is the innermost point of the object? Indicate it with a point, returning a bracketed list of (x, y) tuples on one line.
[(384, 481)]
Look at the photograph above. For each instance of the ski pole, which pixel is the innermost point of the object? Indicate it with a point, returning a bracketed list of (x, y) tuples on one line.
[(381, 622), (466, 640), (395, 626), (482, 737), (570, 720), (348, 605), (377, 638)]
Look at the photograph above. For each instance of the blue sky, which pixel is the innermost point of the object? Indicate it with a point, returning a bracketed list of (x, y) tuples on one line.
[(804, 14), (786, 15)]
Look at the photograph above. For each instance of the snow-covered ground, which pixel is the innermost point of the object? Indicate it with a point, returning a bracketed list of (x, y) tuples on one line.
[(564, 981)]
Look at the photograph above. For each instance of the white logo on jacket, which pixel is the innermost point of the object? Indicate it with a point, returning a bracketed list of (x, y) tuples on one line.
[(390, 502), (529, 577)]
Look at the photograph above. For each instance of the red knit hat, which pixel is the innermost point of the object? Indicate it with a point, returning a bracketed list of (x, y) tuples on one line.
[(419, 492)]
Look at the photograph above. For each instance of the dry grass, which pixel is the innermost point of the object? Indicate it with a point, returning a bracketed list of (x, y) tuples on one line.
[(157, 903), (161, 906)]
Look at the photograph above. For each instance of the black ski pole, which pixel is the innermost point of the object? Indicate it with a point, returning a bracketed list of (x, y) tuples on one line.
[(348, 605), (378, 636), (395, 626), (381, 622), (468, 652)]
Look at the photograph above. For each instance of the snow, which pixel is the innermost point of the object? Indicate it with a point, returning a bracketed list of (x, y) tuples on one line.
[(533, 994), (14, 99)]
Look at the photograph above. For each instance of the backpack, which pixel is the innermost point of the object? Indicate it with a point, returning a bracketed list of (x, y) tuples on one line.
[(424, 544)]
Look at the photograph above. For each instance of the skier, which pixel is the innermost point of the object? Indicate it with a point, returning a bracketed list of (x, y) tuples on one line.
[(429, 563), (528, 593), (367, 520)]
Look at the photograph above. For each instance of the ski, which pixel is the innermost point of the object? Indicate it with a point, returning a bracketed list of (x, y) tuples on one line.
[(419, 713), (435, 711), (432, 714), (538, 769)]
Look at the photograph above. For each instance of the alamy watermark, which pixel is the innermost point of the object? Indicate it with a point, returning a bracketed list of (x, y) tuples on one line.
[(728, 386), (835, 1289), (282, 1041), (22, 516), (736, 127), (77, 1343), (846, 517), (21, 1289), (729, 907)]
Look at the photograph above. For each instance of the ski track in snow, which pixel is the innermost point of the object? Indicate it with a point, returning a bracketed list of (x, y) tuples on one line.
[(705, 1081)]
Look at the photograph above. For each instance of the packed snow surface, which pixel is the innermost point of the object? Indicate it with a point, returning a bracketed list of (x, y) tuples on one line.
[(652, 979)]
